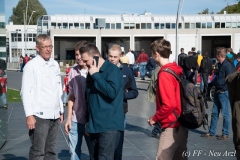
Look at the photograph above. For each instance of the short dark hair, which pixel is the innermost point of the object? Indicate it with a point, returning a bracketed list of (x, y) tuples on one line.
[(193, 49), (162, 46), (79, 44), (238, 55), (222, 51), (205, 54), (181, 49), (91, 49)]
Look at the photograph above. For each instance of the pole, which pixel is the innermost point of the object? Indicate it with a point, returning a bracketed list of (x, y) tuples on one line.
[(31, 16), (176, 50), (24, 19)]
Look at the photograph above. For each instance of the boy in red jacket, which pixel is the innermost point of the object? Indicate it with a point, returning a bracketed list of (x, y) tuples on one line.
[(173, 139)]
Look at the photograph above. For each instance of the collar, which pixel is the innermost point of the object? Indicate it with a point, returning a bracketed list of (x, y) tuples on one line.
[(43, 62)]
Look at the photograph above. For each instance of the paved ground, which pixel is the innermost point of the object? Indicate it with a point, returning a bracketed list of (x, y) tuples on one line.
[(138, 143)]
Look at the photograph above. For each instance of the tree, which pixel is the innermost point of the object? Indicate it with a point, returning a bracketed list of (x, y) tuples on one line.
[(33, 5), (206, 11), (231, 9)]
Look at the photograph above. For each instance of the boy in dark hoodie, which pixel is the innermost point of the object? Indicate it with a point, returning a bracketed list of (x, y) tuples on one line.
[(173, 139)]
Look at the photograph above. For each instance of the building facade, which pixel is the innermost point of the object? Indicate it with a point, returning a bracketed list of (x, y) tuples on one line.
[(2, 37)]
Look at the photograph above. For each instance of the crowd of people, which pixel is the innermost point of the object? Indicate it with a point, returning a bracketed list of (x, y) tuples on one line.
[(98, 91)]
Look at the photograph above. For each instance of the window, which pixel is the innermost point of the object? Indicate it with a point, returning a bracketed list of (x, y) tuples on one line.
[(31, 37), (81, 25), (209, 24), (87, 25), (180, 25), (234, 24), (228, 24), (149, 26), (126, 25), (2, 25), (59, 25), (107, 26), (76, 25), (198, 25), (204, 25), (2, 41), (162, 25), (173, 25), (137, 25), (3, 54), (112, 25), (223, 25), (217, 24), (95, 26), (187, 26), (45, 25), (16, 37), (53, 25), (238, 25), (192, 25), (143, 25), (70, 25), (65, 26), (118, 25), (167, 25), (132, 25), (156, 25)]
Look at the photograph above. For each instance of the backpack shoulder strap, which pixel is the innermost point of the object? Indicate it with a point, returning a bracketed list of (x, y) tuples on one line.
[(172, 73)]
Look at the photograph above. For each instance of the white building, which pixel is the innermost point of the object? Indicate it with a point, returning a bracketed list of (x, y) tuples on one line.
[(17, 44), (204, 32)]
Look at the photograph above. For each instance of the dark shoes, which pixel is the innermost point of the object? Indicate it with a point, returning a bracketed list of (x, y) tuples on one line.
[(207, 135), (143, 78), (222, 137)]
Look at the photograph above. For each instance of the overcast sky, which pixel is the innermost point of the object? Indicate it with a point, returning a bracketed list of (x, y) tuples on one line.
[(124, 6)]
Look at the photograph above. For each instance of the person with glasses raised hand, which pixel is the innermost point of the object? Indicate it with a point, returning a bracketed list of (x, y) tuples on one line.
[(41, 95)]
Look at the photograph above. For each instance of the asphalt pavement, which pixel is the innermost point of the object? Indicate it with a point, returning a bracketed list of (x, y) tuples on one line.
[(138, 143)]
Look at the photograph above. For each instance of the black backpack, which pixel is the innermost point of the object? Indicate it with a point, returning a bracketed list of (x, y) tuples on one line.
[(192, 102)]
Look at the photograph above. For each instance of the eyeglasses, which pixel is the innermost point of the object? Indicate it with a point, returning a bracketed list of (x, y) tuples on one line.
[(46, 47)]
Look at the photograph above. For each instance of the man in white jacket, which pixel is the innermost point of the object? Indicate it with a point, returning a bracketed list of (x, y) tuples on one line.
[(41, 95)]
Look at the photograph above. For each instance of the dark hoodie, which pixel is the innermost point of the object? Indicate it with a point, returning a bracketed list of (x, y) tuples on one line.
[(168, 97)]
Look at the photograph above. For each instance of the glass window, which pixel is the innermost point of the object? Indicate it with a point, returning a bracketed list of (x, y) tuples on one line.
[(107, 26), (209, 24), (19, 37), (222, 25), (65, 26), (87, 25), (156, 25), (3, 54), (143, 25), (217, 24), (118, 25), (180, 25), (53, 25), (187, 26), (167, 25), (2, 41), (126, 25), (238, 25), (204, 25), (81, 25), (137, 25), (132, 25), (2, 25), (45, 25), (162, 25), (76, 25), (112, 25), (192, 26), (70, 25), (198, 24), (95, 26), (228, 24), (149, 26), (59, 25), (173, 25), (234, 24)]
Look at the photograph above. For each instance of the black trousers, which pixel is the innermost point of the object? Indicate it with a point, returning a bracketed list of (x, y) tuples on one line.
[(205, 82)]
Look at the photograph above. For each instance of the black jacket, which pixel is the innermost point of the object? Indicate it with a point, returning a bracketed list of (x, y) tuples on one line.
[(206, 66), (181, 57), (151, 65), (190, 63)]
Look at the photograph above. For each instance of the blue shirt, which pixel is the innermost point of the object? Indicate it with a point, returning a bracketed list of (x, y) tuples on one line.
[(105, 99)]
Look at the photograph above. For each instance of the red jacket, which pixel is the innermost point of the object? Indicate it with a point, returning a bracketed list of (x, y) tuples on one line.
[(142, 57), (168, 97)]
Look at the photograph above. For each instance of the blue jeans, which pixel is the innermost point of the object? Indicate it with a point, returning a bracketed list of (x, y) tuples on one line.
[(142, 69), (75, 140), (221, 103), (65, 97), (104, 145), (4, 98)]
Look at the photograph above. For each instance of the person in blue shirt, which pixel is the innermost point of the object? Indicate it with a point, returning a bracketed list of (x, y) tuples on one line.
[(130, 91), (104, 96)]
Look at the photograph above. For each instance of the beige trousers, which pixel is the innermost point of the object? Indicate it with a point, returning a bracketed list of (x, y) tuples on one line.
[(173, 144)]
